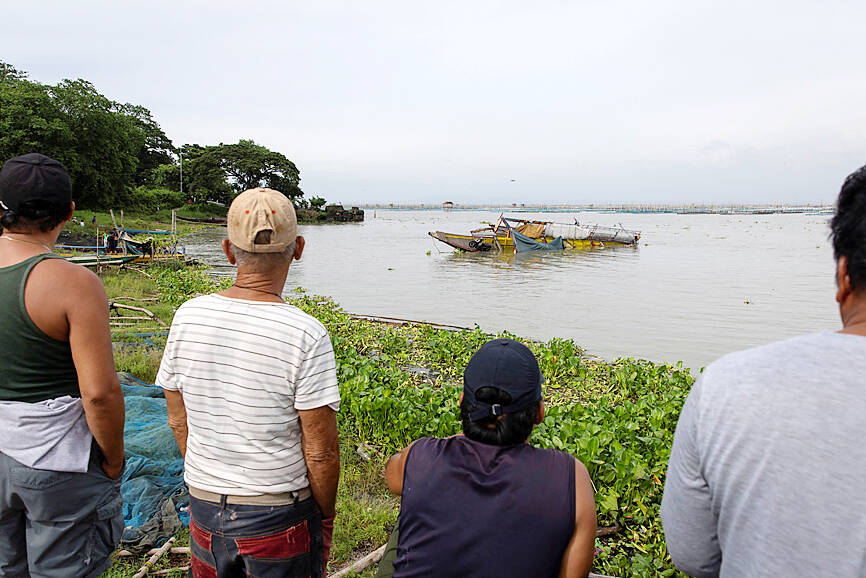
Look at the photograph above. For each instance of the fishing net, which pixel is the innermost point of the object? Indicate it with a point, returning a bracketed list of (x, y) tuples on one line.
[(155, 499)]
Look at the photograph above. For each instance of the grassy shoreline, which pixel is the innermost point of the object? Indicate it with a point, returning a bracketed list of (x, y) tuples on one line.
[(402, 382)]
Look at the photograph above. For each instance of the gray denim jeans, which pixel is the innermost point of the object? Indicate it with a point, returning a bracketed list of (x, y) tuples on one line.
[(58, 524)]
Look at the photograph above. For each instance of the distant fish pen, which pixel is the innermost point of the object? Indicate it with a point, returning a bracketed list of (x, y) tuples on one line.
[(690, 209)]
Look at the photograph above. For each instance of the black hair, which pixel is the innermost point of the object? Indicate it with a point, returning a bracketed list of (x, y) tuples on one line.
[(503, 430), (848, 227), (34, 214)]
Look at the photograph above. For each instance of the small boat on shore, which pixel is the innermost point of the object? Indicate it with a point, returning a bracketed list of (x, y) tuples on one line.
[(100, 260), (207, 221), (499, 236), (126, 249), (148, 232)]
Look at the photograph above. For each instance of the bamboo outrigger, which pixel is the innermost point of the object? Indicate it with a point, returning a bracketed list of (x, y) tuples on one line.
[(499, 236)]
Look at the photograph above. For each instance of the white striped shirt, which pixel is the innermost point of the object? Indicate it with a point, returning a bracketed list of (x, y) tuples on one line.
[(244, 369)]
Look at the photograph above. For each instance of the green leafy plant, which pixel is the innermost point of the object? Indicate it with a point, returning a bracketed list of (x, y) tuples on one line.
[(177, 285), (402, 382)]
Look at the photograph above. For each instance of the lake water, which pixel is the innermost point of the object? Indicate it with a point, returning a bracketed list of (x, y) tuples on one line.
[(697, 286)]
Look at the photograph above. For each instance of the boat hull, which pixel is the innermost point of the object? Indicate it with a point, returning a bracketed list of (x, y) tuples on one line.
[(481, 244), (93, 260)]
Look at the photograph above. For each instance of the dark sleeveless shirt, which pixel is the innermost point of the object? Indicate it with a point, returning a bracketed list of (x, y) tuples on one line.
[(472, 509), (33, 366)]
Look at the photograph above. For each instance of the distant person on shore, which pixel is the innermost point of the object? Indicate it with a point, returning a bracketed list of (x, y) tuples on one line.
[(767, 475), (251, 387), (486, 503), (61, 406), (111, 242)]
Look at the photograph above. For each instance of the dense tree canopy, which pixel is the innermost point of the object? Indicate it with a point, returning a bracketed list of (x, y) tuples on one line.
[(242, 166), (72, 122), (114, 151)]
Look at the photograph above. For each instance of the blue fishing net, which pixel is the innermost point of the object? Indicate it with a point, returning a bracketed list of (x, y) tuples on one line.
[(155, 499)]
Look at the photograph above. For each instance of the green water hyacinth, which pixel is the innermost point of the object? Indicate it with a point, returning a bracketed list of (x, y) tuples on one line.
[(399, 383)]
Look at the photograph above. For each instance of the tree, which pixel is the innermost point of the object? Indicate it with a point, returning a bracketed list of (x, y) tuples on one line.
[(203, 175), (246, 165), (317, 203), (75, 124), (103, 164), (157, 148), (165, 176), (110, 149), (30, 119), (9, 73)]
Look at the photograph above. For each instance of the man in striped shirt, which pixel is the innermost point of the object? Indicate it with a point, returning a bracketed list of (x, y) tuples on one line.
[(251, 387)]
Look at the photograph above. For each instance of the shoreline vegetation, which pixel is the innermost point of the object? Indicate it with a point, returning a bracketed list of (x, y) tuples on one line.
[(399, 382), (75, 234), (117, 155)]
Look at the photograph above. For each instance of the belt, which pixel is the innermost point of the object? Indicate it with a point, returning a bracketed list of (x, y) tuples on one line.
[(281, 499)]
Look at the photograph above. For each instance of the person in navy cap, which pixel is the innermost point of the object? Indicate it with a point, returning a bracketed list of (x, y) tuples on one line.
[(61, 405), (486, 503)]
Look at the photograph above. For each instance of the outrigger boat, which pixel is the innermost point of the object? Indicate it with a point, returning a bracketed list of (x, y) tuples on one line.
[(94, 260), (520, 235)]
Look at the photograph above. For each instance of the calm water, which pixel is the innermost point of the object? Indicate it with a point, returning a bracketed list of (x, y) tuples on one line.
[(697, 287)]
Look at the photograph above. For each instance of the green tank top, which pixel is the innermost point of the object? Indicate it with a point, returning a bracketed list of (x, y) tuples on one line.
[(33, 366)]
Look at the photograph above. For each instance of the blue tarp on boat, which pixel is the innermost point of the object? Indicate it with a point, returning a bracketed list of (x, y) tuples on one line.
[(523, 243)]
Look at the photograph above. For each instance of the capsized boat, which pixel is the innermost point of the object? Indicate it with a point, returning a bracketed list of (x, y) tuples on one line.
[(499, 236)]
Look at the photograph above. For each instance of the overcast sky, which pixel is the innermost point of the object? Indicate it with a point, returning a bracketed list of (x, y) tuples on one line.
[(472, 101)]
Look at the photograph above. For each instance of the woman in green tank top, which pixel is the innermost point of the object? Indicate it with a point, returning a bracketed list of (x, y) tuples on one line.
[(61, 406)]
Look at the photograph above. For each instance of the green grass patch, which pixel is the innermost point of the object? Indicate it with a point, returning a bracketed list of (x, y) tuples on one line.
[(160, 289), (126, 566), (366, 511)]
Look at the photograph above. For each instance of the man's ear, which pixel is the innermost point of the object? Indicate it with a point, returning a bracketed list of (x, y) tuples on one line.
[(460, 399), (843, 280), (71, 210), (227, 249), (540, 417), (299, 248)]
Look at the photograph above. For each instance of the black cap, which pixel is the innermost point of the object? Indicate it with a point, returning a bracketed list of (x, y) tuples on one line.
[(33, 177), (505, 364)]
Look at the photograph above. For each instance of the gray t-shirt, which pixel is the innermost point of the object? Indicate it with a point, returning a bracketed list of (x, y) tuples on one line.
[(767, 475)]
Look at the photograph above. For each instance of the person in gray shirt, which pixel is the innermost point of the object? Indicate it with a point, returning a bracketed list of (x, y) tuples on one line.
[(767, 474)]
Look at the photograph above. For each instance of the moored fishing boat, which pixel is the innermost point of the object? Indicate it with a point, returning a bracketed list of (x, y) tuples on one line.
[(94, 260), (207, 221), (499, 236), (127, 250)]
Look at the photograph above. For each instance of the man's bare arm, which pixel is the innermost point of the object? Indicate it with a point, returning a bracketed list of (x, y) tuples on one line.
[(176, 410), (322, 455), (90, 342), (394, 470), (577, 560)]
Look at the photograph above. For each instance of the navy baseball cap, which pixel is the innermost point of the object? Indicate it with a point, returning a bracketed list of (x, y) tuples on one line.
[(507, 365), (34, 177)]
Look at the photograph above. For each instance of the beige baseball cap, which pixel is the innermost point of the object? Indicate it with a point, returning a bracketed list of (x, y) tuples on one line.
[(257, 210)]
